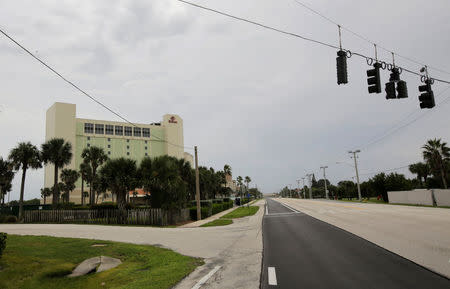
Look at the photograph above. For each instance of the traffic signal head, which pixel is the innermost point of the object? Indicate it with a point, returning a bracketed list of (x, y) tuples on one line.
[(402, 89), (373, 79), (427, 97), (395, 75), (341, 64), (390, 90)]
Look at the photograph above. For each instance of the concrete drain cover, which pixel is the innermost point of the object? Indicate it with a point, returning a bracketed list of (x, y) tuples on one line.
[(96, 264)]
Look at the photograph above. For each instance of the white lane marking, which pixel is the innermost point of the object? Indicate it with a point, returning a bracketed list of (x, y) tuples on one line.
[(272, 276), (206, 277), (283, 214), (267, 209), (290, 208)]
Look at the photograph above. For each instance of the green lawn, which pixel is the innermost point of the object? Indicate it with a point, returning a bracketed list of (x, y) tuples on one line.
[(218, 222), (43, 262), (240, 212)]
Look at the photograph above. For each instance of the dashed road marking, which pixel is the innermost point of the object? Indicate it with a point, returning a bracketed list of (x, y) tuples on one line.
[(267, 209), (272, 276), (206, 277)]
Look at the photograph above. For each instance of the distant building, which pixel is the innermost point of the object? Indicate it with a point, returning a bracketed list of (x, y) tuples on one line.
[(118, 139), (230, 183)]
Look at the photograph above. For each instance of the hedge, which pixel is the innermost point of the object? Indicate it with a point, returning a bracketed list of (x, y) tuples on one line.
[(3, 237)]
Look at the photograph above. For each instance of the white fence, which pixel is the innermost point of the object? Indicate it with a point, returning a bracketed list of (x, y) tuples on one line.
[(434, 197)]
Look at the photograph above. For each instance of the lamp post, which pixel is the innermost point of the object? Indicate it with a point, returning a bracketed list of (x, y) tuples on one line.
[(356, 169), (325, 181)]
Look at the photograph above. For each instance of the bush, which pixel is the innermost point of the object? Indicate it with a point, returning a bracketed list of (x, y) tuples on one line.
[(217, 208), (3, 237), (205, 212), (8, 219)]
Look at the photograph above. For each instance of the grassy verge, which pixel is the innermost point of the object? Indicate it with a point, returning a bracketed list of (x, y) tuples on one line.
[(218, 222), (241, 212), (43, 262)]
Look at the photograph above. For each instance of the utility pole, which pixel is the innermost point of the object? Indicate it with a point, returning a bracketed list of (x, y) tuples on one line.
[(197, 187), (303, 189), (290, 190), (325, 180), (298, 188), (356, 169), (310, 184)]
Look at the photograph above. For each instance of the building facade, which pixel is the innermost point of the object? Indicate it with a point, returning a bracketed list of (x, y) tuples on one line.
[(118, 139)]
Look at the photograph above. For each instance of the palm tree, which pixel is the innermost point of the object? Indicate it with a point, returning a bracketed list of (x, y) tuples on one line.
[(239, 180), (437, 154), (69, 178), (95, 157), (58, 152), (120, 177), (227, 169), (85, 171), (6, 177), (25, 155), (422, 171), (45, 192), (247, 180)]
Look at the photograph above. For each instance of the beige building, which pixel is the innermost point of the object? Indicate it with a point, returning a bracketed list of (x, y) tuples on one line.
[(118, 139)]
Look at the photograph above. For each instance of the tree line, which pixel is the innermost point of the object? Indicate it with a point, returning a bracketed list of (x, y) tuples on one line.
[(169, 182), (433, 172)]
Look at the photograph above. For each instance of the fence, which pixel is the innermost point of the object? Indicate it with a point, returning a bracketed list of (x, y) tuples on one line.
[(150, 217)]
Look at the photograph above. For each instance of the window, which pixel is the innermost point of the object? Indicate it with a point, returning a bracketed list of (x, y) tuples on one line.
[(88, 138), (128, 147), (128, 153), (146, 133), (119, 130), (146, 154), (128, 130), (128, 140), (88, 145), (145, 141), (137, 131), (109, 153), (145, 148), (88, 128), (99, 128), (109, 146), (109, 129), (109, 139)]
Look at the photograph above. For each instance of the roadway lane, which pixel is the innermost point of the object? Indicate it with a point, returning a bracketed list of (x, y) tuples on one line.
[(308, 253)]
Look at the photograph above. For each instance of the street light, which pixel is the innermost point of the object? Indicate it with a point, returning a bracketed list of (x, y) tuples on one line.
[(310, 185), (356, 169)]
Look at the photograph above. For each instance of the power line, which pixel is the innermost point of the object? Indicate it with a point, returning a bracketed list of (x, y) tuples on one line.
[(293, 34), (365, 38), (78, 88)]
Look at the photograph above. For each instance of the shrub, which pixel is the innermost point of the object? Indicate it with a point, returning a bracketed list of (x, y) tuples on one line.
[(3, 237), (205, 212), (8, 219), (217, 208)]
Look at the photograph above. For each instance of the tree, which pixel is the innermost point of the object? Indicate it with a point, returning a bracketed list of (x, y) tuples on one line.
[(69, 178), (120, 177), (227, 170), (85, 172), (58, 152), (6, 178), (162, 177), (95, 157), (25, 155), (437, 155), (247, 181), (422, 170), (45, 192), (239, 180)]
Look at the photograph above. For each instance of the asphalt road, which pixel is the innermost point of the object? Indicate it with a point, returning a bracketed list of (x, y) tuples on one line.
[(303, 252)]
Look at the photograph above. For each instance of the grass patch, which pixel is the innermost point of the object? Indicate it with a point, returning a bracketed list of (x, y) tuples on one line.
[(43, 262), (218, 222), (241, 212)]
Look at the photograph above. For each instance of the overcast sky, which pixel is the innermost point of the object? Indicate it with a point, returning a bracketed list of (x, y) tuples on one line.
[(265, 103)]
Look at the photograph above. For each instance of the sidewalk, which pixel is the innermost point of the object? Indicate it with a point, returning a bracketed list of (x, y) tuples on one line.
[(207, 220)]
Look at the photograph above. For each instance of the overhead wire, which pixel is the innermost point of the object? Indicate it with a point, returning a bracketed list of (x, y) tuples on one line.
[(365, 38), (79, 88)]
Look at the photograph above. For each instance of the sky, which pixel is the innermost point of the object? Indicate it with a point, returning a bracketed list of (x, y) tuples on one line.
[(265, 103)]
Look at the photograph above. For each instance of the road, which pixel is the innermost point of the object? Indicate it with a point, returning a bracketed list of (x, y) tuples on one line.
[(303, 252)]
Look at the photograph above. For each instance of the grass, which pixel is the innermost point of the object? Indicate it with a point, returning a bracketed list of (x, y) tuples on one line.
[(43, 262), (241, 212), (218, 222)]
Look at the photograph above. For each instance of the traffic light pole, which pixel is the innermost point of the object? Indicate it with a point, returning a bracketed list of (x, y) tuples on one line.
[(357, 175), (197, 187)]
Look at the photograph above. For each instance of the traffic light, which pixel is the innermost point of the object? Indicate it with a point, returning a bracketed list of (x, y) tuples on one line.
[(427, 98), (373, 79), (402, 89), (390, 90), (395, 74), (341, 65)]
